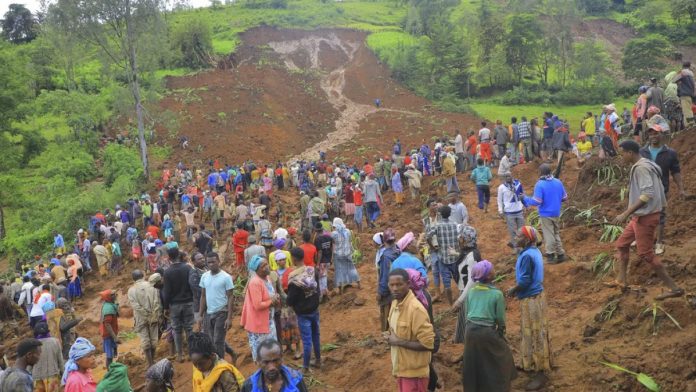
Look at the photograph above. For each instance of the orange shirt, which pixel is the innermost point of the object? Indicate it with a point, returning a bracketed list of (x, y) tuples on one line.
[(472, 145), (153, 231), (357, 196), (310, 252), (368, 169), (240, 239)]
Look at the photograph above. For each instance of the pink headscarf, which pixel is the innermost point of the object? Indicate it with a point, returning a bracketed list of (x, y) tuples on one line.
[(416, 282), (404, 241)]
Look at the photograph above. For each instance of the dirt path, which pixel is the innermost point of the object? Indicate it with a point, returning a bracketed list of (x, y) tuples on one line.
[(333, 83)]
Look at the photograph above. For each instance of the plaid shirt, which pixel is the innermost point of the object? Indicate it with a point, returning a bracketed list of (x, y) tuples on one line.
[(447, 240), (524, 130)]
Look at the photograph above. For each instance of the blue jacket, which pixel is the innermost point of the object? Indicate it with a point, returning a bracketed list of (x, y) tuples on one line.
[(293, 381), (389, 254), (529, 273), (407, 260), (549, 194)]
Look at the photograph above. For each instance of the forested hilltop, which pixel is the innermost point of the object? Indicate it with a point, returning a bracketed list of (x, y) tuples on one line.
[(73, 74)]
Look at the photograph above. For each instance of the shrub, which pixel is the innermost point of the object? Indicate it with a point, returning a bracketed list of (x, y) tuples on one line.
[(121, 161), (193, 39), (65, 160)]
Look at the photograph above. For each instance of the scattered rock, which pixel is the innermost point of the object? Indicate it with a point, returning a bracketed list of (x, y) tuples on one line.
[(342, 337), (359, 301), (590, 330)]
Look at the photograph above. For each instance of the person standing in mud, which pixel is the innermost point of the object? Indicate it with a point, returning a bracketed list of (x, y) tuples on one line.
[(535, 346), (668, 161), (147, 310), (177, 300), (372, 199), (646, 201), (549, 195), (411, 336)]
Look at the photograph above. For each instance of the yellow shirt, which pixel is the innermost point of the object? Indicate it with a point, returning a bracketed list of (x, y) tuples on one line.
[(409, 320), (273, 265), (589, 126), (584, 147)]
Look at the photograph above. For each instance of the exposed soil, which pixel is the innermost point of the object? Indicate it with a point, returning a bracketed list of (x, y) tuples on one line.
[(274, 111)]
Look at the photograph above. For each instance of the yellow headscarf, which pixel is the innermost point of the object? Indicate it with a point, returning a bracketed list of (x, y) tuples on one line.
[(205, 384)]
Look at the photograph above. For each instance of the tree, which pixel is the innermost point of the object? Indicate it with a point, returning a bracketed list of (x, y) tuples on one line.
[(193, 40), (121, 29), (594, 7), (522, 39), (682, 8), (644, 58), (490, 29), (19, 25), (592, 60), (61, 29), (560, 37)]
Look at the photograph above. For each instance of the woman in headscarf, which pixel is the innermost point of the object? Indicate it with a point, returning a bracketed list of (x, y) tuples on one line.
[(397, 186), (167, 226), (488, 364), (418, 284), (407, 259), (160, 376), (78, 370), (259, 302), (47, 371), (67, 322), (344, 270), (210, 372), (278, 244), (535, 348)]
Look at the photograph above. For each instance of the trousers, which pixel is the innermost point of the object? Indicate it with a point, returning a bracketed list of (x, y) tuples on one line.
[(309, 332), (215, 327), (551, 230)]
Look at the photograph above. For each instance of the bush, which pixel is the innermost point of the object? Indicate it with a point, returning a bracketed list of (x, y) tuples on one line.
[(65, 160), (121, 161), (587, 94), (523, 96), (193, 40)]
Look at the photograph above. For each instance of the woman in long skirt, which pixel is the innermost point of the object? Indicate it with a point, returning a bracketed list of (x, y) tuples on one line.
[(74, 287), (345, 272), (488, 365)]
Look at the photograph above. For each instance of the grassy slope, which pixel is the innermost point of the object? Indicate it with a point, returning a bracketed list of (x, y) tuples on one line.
[(574, 114)]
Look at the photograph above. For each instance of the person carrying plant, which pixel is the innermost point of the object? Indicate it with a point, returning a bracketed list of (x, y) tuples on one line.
[(646, 201)]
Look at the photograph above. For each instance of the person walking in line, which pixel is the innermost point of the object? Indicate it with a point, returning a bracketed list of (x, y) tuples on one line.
[(387, 253), (397, 186), (482, 176), (502, 137), (444, 233), (510, 206), (646, 201), (414, 180), (147, 310), (549, 195), (372, 199), (484, 136), (177, 300), (217, 302), (668, 161), (487, 363), (49, 369), (535, 346), (686, 91), (411, 335), (345, 273), (459, 150), (260, 301), (303, 298), (449, 172), (525, 135)]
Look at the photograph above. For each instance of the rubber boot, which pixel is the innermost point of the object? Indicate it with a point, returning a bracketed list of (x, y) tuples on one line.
[(149, 357), (448, 295)]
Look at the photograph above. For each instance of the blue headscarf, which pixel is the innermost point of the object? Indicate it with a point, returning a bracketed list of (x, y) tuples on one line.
[(255, 262), (80, 349)]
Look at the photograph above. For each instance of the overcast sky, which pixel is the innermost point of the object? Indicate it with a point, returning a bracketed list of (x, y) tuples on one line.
[(34, 5)]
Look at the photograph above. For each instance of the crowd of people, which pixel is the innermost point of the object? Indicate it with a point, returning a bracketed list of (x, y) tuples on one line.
[(285, 266)]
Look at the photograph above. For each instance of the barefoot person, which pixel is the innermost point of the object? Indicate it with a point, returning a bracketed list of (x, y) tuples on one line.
[(646, 200), (535, 348)]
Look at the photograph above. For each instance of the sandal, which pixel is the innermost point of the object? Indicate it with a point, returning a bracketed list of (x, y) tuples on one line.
[(670, 294)]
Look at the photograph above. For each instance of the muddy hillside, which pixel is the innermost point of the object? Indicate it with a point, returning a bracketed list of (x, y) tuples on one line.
[(288, 94)]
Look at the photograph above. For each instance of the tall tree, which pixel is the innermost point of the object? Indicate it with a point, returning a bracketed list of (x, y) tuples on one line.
[(562, 14), (592, 61), (121, 28), (488, 32), (639, 66), (61, 29), (19, 25), (522, 39)]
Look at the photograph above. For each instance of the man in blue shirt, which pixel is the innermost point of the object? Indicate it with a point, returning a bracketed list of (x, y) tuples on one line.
[(549, 195)]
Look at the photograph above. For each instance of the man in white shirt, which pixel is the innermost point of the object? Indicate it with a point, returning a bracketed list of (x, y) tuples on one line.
[(459, 214), (510, 206), (459, 150), (484, 136)]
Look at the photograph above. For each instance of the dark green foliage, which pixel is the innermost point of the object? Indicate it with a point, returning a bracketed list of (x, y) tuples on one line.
[(19, 25), (644, 58), (193, 42), (274, 4), (121, 161), (522, 39), (594, 7)]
